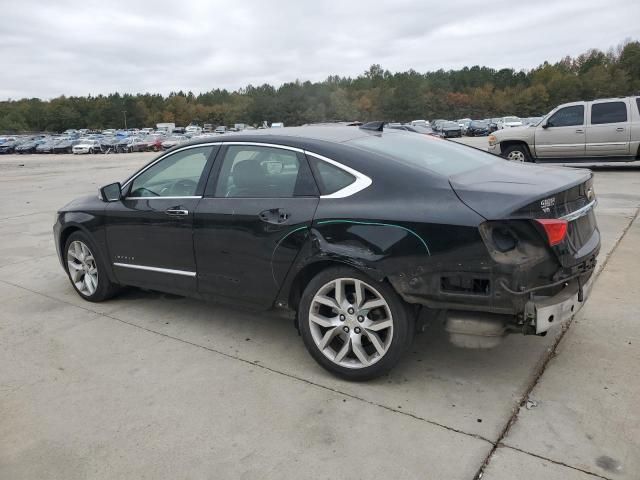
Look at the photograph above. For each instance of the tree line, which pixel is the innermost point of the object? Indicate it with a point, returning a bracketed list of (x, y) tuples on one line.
[(377, 94)]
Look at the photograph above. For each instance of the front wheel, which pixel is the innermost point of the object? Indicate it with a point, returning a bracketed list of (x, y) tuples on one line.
[(86, 269), (517, 153), (353, 326)]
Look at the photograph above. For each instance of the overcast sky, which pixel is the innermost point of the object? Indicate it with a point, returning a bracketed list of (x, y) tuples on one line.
[(90, 47)]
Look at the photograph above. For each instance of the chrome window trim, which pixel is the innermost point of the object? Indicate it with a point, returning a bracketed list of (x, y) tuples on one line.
[(361, 182), (580, 212), (160, 198), (155, 269), (269, 145)]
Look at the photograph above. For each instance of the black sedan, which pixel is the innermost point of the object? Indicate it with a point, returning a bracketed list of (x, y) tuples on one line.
[(365, 233), (449, 129), (478, 128)]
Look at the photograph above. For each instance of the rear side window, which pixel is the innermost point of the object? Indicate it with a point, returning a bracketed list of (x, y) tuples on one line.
[(638, 103), (608, 112), (263, 172), (330, 178), (567, 117)]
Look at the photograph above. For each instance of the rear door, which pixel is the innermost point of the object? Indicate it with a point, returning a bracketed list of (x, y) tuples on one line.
[(258, 206), (562, 134), (608, 130)]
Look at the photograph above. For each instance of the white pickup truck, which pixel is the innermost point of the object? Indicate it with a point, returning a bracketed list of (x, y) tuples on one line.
[(606, 129)]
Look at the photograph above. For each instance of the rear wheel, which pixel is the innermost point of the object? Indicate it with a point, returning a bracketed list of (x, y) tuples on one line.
[(86, 269), (352, 325), (517, 153)]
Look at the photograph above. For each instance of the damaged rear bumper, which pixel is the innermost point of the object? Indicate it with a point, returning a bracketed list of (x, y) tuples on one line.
[(542, 312)]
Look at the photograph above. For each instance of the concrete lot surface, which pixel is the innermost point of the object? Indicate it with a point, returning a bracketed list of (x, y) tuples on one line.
[(155, 386)]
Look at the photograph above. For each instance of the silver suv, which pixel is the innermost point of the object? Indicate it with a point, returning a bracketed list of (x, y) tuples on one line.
[(606, 129)]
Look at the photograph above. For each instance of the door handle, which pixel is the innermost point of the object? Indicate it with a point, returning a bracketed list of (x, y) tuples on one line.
[(620, 129), (579, 131), (176, 212), (274, 215)]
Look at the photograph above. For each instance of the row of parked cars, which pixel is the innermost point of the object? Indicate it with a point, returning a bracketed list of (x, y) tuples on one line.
[(93, 143), (479, 128)]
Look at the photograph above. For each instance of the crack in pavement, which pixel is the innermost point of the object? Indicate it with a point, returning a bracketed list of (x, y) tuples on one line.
[(551, 353), (556, 462)]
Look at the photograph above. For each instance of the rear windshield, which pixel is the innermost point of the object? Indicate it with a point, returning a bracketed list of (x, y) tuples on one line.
[(440, 156)]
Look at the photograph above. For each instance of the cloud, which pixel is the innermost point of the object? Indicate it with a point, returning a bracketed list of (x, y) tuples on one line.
[(90, 47)]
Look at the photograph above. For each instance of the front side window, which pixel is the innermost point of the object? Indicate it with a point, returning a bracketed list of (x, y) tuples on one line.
[(250, 171), (567, 117), (608, 112), (177, 175)]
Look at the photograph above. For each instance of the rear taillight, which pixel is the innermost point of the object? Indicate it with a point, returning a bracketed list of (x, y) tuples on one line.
[(556, 229)]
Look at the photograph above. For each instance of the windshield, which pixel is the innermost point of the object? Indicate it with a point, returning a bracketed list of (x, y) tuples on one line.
[(439, 156)]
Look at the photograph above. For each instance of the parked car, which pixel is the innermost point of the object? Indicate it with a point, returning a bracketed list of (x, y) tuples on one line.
[(448, 129), (109, 144), (478, 128), (605, 129), (173, 141), (509, 122), (388, 223), (464, 124), (9, 146), (86, 146), (46, 146), (277, 125), (493, 124), (531, 121), (420, 123), (27, 146), (221, 129), (154, 142), (436, 124), (64, 145), (413, 128)]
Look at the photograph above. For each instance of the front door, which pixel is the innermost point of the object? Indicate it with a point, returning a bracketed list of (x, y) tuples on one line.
[(252, 222), (562, 134), (150, 231), (609, 129)]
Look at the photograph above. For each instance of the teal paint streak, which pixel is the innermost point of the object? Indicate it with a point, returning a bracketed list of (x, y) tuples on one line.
[(273, 273), (324, 222)]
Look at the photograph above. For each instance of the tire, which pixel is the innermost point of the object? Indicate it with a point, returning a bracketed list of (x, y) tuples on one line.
[(370, 352), (517, 153), (101, 288)]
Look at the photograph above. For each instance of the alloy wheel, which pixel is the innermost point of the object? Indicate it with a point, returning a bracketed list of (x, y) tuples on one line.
[(83, 269), (516, 156), (351, 323)]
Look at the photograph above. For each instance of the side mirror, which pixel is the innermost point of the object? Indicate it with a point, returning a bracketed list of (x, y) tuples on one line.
[(111, 192), (545, 125)]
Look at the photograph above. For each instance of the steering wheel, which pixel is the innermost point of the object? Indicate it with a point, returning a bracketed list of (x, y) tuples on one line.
[(183, 187)]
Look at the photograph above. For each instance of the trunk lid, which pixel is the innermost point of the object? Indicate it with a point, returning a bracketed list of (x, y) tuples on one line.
[(510, 191)]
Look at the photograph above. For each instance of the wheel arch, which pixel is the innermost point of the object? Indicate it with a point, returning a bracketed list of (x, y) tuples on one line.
[(511, 143), (305, 274), (71, 226)]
